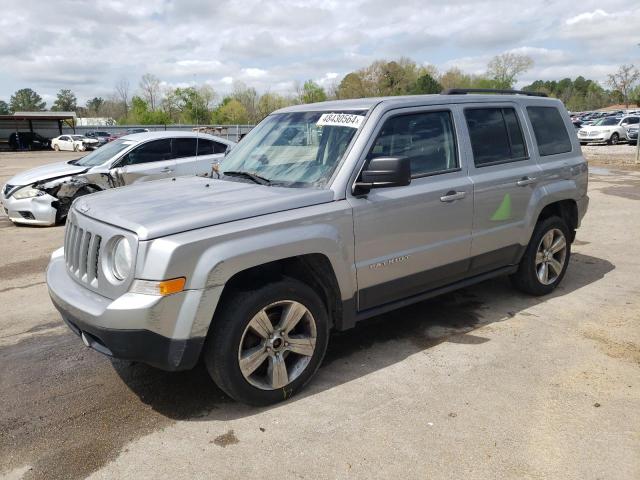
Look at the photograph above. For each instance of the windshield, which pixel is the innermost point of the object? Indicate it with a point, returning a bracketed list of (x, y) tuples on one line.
[(608, 121), (299, 149), (103, 154)]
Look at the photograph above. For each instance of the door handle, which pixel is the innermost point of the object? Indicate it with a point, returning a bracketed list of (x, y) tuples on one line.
[(452, 196), (166, 170), (524, 181)]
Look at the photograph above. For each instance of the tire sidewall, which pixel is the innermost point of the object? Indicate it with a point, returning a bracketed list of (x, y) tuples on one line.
[(530, 256), (221, 349)]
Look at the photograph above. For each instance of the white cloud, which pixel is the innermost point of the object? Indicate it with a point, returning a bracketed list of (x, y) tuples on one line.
[(587, 16), (271, 45)]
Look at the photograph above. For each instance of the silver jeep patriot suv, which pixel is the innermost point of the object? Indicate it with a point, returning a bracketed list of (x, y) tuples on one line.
[(324, 215)]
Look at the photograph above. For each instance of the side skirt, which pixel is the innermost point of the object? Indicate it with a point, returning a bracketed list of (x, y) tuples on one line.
[(387, 307)]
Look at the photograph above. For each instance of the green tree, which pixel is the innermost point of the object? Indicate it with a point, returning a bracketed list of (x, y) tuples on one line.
[(195, 103), (4, 108), (140, 114), (248, 97), (66, 101), (426, 84), (231, 112), (623, 81), (351, 87), (312, 92), (94, 106), (270, 102), (504, 69), (26, 100)]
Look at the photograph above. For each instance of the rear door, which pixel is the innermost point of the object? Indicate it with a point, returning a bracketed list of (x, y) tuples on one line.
[(412, 239), (206, 152), (150, 161), (504, 175)]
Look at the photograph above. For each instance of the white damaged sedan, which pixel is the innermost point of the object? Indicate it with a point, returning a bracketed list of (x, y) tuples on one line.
[(74, 143), (43, 195)]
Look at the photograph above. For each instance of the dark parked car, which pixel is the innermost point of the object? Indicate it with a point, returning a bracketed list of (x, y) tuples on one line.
[(102, 137), (28, 141)]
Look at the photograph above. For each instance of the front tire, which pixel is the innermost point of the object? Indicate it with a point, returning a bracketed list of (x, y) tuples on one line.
[(546, 258), (615, 138), (265, 344)]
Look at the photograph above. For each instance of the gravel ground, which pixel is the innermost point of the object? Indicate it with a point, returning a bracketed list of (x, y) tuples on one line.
[(481, 383), (622, 155)]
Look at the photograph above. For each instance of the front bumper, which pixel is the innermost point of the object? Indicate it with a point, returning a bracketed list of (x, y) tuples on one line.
[(131, 327), (30, 211)]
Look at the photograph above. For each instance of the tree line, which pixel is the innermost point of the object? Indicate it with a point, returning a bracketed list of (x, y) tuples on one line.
[(153, 103)]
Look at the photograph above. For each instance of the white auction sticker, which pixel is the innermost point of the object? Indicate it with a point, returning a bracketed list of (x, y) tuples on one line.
[(340, 120)]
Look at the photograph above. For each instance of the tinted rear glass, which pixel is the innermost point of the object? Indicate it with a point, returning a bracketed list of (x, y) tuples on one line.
[(496, 136), (550, 131)]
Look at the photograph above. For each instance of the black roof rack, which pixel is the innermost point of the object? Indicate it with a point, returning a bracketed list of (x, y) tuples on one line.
[(464, 91)]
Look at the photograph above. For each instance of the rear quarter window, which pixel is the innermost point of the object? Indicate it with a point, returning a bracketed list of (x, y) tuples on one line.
[(550, 131)]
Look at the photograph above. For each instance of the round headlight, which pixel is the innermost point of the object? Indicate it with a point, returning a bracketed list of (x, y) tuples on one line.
[(122, 259)]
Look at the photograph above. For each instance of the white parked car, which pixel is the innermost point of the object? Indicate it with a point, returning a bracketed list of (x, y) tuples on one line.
[(610, 130), (43, 195), (74, 143)]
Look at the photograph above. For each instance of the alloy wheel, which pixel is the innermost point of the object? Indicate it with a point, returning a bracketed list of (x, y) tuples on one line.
[(551, 256), (277, 345)]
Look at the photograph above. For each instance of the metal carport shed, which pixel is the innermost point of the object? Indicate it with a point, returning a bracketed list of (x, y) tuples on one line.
[(47, 124)]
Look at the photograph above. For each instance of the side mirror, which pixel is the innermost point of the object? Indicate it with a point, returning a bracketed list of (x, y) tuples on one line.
[(384, 172)]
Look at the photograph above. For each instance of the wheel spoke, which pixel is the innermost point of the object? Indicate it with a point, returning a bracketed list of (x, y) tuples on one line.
[(558, 245), (261, 324), (278, 371), (539, 258), (543, 273), (302, 346), (555, 265), (291, 316), (252, 359), (547, 240)]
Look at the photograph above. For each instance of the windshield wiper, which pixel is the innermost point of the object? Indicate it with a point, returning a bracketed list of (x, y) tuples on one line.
[(251, 176)]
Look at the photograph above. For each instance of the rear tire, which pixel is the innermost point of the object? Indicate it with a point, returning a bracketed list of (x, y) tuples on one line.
[(56, 147), (250, 351), (614, 139), (546, 258)]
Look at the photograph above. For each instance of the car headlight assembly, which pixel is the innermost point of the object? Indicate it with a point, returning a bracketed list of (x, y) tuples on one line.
[(27, 192), (121, 259)]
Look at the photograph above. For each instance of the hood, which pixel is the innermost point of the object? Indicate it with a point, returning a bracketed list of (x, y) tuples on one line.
[(46, 172), (589, 128), (164, 207)]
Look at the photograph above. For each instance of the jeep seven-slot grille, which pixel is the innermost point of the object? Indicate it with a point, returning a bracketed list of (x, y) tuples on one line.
[(82, 252)]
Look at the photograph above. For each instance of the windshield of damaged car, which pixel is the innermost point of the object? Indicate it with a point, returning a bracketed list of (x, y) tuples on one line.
[(103, 154), (300, 149)]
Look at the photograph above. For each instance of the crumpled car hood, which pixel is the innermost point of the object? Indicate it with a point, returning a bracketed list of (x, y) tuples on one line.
[(164, 207), (46, 172)]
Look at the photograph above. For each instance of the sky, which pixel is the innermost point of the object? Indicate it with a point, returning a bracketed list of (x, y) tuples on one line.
[(88, 46)]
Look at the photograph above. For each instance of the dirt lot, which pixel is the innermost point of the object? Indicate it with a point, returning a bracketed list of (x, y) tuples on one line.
[(482, 383)]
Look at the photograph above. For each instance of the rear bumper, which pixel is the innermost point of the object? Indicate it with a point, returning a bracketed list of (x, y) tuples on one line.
[(583, 205), (143, 328)]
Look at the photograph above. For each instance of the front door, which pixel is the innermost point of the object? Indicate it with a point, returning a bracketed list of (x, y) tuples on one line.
[(150, 161), (504, 177), (412, 239)]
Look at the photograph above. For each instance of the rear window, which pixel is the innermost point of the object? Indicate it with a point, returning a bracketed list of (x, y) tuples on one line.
[(496, 136), (550, 131)]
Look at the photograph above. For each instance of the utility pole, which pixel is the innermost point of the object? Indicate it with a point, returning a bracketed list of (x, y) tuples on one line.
[(638, 142)]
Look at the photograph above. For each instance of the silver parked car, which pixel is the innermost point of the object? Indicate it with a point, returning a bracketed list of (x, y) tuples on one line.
[(42, 196), (324, 215)]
